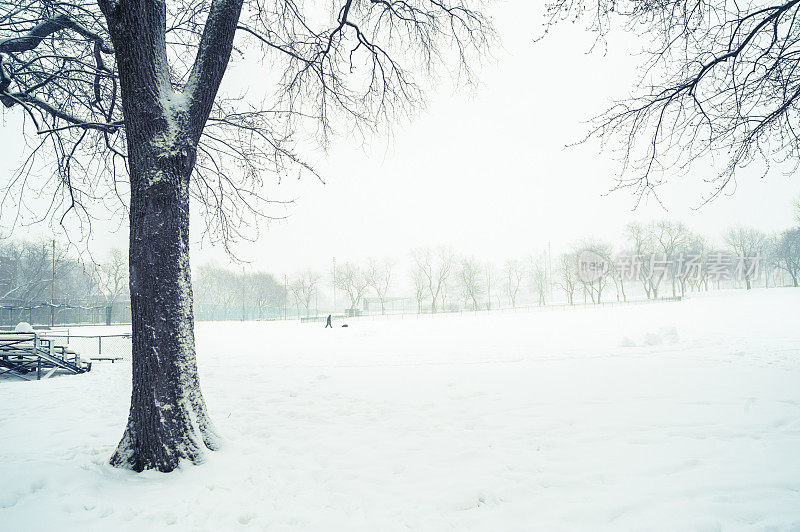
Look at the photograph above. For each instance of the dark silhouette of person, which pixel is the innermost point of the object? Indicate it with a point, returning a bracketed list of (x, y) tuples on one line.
[(328, 322)]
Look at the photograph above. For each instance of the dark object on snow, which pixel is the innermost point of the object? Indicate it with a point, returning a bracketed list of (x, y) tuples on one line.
[(345, 325), (328, 322)]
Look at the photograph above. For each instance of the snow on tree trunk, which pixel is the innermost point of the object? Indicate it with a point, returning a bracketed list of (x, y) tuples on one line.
[(168, 421)]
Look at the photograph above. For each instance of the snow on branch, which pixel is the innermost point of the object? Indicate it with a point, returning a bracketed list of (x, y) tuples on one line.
[(39, 32)]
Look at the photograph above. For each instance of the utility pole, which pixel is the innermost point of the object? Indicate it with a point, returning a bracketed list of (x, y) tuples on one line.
[(53, 288)]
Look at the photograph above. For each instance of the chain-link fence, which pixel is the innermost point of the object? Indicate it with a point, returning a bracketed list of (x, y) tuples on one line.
[(94, 346), (62, 313)]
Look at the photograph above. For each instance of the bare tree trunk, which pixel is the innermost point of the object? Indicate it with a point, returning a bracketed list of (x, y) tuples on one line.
[(168, 421)]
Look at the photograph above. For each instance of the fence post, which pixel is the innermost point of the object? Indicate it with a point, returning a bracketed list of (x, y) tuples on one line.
[(38, 358)]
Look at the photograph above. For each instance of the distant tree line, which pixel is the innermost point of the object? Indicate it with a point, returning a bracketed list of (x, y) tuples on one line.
[(662, 258), (225, 294), (658, 259), (38, 279)]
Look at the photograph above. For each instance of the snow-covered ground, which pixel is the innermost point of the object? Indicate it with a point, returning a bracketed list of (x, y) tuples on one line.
[(670, 416)]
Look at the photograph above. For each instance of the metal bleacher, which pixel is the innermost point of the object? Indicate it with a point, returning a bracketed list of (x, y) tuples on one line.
[(29, 356)]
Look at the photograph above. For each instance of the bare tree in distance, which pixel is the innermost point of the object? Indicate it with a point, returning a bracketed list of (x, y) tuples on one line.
[(642, 246), (717, 78), (671, 240), (797, 210), (264, 291), (353, 280), (539, 276), (692, 269), (567, 275), (747, 244), (617, 274), (28, 271), (123, 95), (594, 287), (471, 281), (787, 251), (220, 288), (379, 277), (420, 287), (112, 280), (304, 288), (513, 272), (435, 268), (27, 276), (770, 258), (488, 280)]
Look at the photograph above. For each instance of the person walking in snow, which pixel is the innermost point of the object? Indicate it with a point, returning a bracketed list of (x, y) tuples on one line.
[(328, 322)]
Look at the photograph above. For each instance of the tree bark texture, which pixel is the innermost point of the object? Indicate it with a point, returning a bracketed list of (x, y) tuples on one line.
[(168, 421)]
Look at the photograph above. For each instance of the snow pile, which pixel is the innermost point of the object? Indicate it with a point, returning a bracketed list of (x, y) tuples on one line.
[(665, 335), (23, 327), (528, 421)]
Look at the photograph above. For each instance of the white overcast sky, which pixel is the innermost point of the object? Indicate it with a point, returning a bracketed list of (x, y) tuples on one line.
[(485, 171)]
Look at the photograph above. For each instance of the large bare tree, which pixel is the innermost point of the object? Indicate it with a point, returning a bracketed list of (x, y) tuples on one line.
[(123, 94)]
